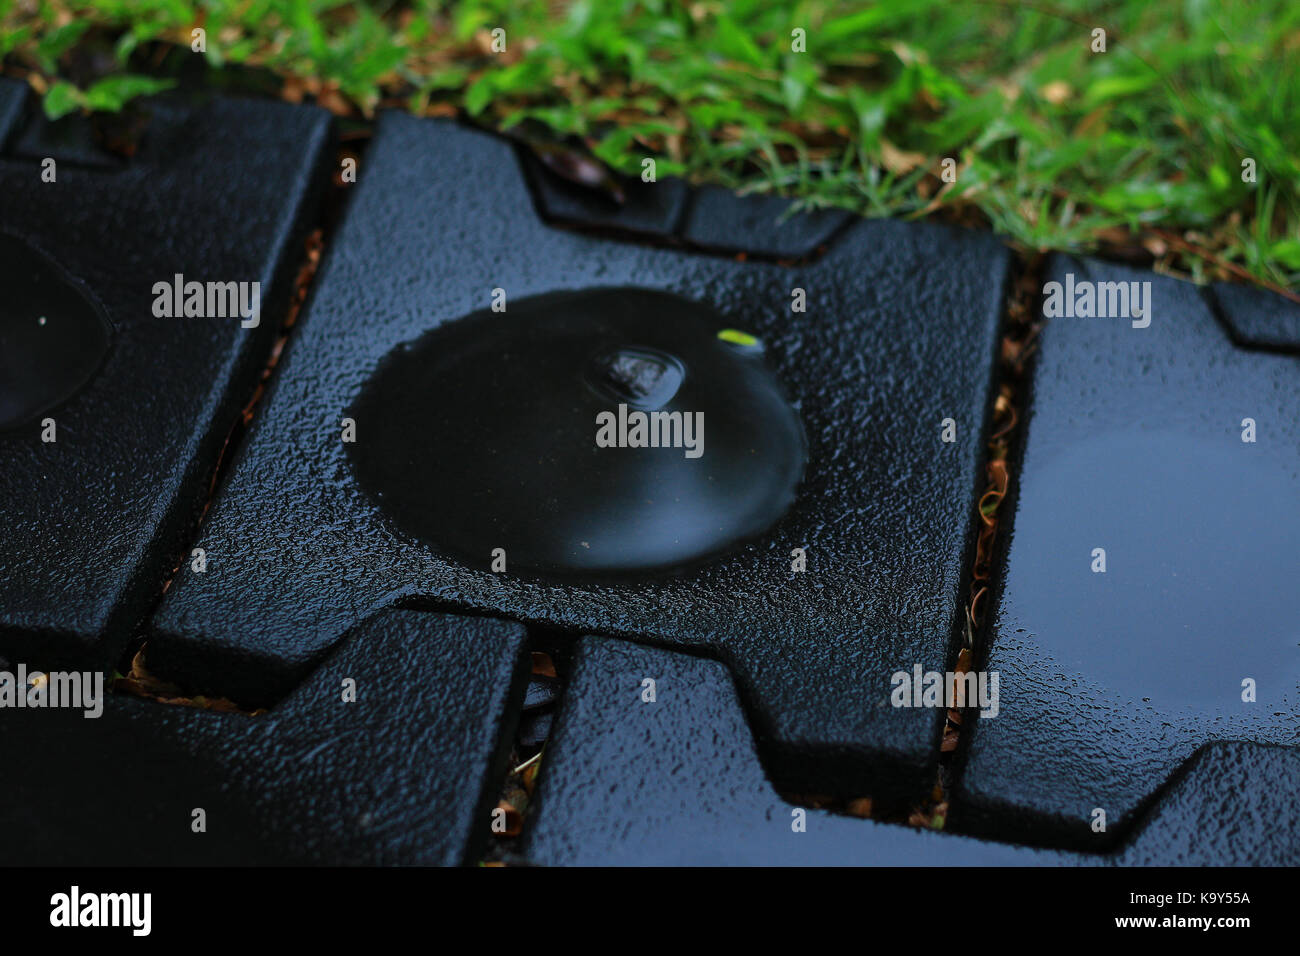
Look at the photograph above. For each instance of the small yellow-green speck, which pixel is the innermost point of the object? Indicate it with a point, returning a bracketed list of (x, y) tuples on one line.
[(737, 337)]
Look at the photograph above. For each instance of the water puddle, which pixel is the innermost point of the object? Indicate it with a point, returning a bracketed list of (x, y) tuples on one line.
[(518, 430), (1202, 542), (52, 336)]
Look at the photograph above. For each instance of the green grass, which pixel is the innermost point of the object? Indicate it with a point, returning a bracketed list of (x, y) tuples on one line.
[(1136, 151)]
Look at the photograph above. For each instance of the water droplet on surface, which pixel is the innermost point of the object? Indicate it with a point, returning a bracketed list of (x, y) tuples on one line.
[(482, 435), (45, 362), (641, 378)]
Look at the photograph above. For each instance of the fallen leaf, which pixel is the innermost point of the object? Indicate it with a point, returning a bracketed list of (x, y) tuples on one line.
[(543, 666), (1057, 92), (897, 161), (859, 807)]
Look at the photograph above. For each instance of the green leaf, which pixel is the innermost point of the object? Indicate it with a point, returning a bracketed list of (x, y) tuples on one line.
[(1115, 87), (13, 39), (871, 113), (734, 43), (479, 95), (113, 92), (799, 76), (1287, 251), (858, 26), (61, 99), (55, 43)]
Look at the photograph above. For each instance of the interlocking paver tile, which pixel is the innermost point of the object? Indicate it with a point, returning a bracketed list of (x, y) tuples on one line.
[(650, 208), (406, 773), (899, 334), (758, 224), (1258, 317), (141, 404), (1145, 608), (1233, 806), (627, 781), (13, 100), (676, 781), (710, 217)]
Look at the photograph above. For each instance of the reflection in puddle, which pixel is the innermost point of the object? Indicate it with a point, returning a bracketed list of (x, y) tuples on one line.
[(1202, 544), (52, 337), (483, 434)]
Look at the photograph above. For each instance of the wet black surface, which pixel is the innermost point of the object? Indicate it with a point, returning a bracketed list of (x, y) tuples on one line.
[(493, 432), (96, 519), (1200, 548), (676, 781), (1120, 690), (13, 101), (406, 773), (1111, 680), (653, 209), (1230, 805), (761, 225), (71, 140), (889, 346), (541, 692), (1257, 317), (53, 336), (708, 217)]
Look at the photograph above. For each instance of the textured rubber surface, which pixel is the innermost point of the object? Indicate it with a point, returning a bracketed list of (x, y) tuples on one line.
[(1120, 690), (1111, 679), (899, 334), (1258, 317), (708, 217), (677, 781), (760, 225), (405, 774), (1232, 805), (95, 520), (652, 209), (13, 99)]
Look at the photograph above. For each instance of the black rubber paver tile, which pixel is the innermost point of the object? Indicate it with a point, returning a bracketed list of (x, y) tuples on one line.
[(900, 333), (13, 100), (71, 140), (760, 225), (654, 209), (95, 519), (1258, 317), (626, 781), (676, 781), (1136, 446), (709, 217), (1233, 806), (405, 773)]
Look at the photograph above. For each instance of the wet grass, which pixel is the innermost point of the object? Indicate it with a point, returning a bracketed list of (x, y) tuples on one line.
[(1137, 151)]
